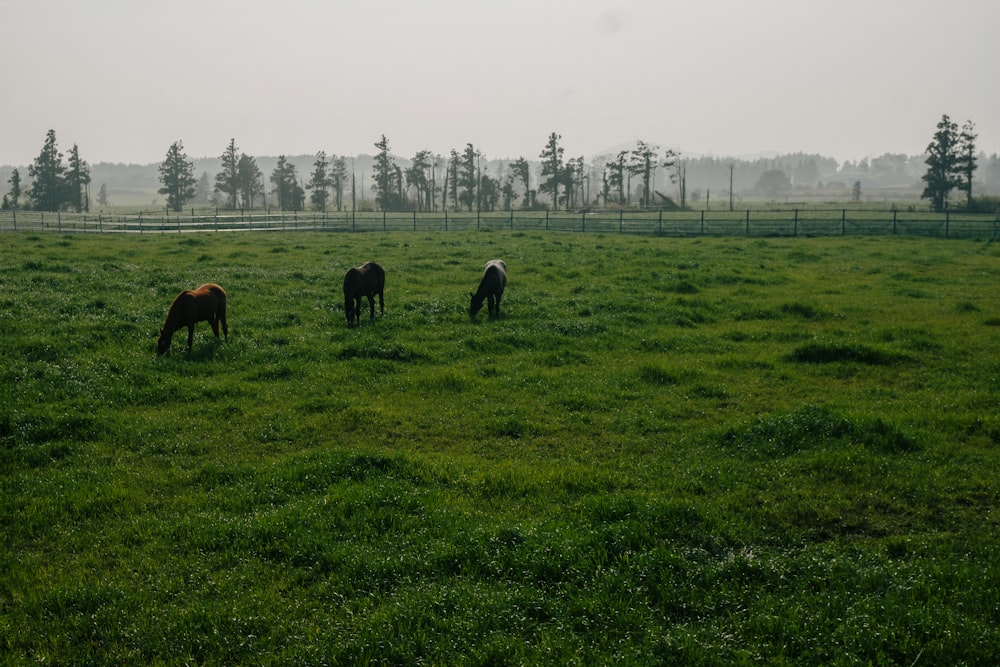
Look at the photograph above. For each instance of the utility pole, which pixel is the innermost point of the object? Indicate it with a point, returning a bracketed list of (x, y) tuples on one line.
[(730, 187)]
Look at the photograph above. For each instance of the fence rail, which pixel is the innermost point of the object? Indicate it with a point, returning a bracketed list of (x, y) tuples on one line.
[(750, 222)]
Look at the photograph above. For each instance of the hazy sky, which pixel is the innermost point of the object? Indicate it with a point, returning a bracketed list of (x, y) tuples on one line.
[(124, 79)]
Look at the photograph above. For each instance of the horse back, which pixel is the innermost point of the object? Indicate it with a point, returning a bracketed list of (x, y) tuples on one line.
[(369, 278), (203, 303), (494, 276)]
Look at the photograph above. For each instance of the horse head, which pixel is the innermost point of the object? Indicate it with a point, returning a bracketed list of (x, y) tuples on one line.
[(163, 342), (475, 304)]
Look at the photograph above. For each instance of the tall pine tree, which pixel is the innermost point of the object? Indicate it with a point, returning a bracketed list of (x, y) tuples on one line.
[(227, 181), (386, 192), (78, 182), (319, 182), (552, 168), (177, 176), (48, 188)]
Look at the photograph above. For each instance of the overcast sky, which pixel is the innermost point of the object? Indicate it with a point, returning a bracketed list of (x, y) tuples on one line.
[(124, 79)]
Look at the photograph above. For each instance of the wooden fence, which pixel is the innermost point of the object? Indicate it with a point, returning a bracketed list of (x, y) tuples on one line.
[(748, 223)]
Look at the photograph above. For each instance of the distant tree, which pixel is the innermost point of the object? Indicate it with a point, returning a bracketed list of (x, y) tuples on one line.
[(773, 183), (856, 191), (227, 181), (338, 179), (419, 176), (642, 161), (15, 189), (249, 181), (78, 182), (467, 177), (202, 190), (507, 192), (319, 182), (573, 181), (177, 176), (399, 188), (291, 196), (385, 186), (965, 163), (451, 180), (616, 175), (679, 176), (488, 192), (102, 196), (552, 168), (48, 188), (676, 170), (521, 170), (943, 169)]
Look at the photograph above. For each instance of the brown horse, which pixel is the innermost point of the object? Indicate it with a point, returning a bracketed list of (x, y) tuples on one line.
[(208, 302), (365, 280), (490, 288)]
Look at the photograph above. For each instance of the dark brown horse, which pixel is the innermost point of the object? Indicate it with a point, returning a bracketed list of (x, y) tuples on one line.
[(365, 280), (208, 302), (490, 288)]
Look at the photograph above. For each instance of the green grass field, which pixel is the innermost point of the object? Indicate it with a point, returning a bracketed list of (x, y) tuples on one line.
[(667, 451)]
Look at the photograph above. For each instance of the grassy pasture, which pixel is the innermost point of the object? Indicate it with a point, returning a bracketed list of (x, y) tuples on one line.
[(667, 451)]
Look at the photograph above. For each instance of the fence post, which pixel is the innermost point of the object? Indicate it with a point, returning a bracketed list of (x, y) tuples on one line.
[(59, 220), (512, 217), (383, 220), (947, 221), (843, 221), (702, 232), (795, 227), (446, 219), (140, 223), (893, 222), (621, 225), (659, 224), (546, 219), (414, 219), (748, 222), (15, 219)]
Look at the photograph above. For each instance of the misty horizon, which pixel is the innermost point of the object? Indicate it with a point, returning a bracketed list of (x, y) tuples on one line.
[(721, 78)]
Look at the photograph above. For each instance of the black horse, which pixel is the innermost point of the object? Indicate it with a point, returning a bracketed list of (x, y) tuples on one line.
[(365, 280), (490, 288)]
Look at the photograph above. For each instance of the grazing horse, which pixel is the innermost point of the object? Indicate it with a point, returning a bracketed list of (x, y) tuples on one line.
[(208, 302), (365, 280), (490, 287)]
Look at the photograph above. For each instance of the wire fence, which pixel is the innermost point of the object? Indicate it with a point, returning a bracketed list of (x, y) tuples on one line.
[(748, 223)]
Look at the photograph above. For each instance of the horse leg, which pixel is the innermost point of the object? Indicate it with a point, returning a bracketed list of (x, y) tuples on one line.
[(381, 301), (371, 304), (353, 309), (492, 305), (190, 336), (225, 326), (498, 306), (214, 321)]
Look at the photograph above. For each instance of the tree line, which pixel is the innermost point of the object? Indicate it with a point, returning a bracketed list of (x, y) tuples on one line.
[(458, 181)]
